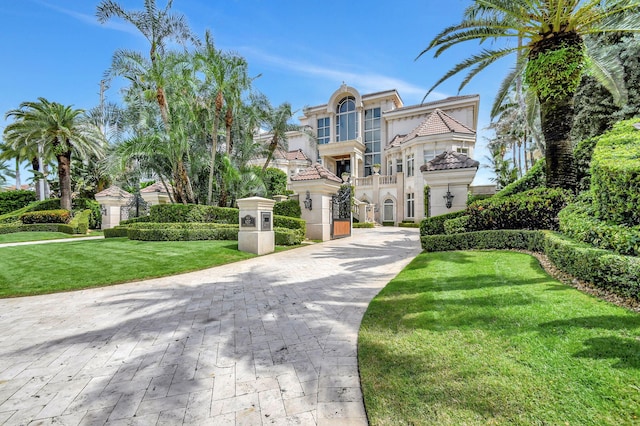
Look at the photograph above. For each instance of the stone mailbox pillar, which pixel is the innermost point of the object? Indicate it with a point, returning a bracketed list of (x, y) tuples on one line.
[(256, 225)]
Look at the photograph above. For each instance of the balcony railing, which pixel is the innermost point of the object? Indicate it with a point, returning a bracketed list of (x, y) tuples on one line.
[(368, 181)]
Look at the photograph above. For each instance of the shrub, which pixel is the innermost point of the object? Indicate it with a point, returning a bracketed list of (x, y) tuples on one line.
[(95, 217), (46, 216), (80, 222), (534, 209), (456, 225), (435, 225), (33, 227), (578, 221), (388, 223), (615, 174), (288, 237), (117, 232), (289, 223), (363, 225), (14, 200), (404, 224), (534, 178), (139, 219), (604, 269), (14, 216), (289, 208), (173, 213), (182, 231), (583, 154)]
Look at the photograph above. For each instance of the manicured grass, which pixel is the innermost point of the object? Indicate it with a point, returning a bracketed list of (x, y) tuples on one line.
[(489, 338), (19, 237), (48, 268)]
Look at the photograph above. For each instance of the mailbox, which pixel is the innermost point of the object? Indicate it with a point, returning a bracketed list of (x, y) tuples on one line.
[(266, 221)]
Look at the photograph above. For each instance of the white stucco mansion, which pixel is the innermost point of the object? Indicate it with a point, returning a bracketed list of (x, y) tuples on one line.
[(353, 134)]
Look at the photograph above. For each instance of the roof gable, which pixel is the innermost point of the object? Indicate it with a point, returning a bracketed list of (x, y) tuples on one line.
[(436, 123), (315, 172), (449, 160)]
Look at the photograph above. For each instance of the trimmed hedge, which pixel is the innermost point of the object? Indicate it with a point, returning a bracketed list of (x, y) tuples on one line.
[(14, 200), (456, 225), (173, 213), (80, 222), (139, 219), (95, 217), (409, 225), (289, 223), (535, 178), (288, 237), (51, 204), (578, 221), (228, 232), (289, 208), (533, 209), (615, 174), (435, 225), (604, 269), (363, 225), (35, 227), (116, 232), (46, 216)]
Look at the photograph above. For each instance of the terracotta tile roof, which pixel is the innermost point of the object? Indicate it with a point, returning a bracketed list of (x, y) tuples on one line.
[(315, 172), (114, 191), (436, 123), (449, 160), (281, 154), (156, 187)]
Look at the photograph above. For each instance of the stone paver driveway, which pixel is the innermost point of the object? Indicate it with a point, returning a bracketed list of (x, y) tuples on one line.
[(270, 340)]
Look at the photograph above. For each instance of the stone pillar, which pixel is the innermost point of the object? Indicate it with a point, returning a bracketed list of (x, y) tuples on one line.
[(111, 200), (455, 182), (256, 233), (316, 208)]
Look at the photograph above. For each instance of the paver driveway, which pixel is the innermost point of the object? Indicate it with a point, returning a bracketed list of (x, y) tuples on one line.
[(270, 340)]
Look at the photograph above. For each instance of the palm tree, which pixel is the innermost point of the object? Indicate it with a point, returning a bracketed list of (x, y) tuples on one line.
[(158, 27), (58, 128), (276, 123), (553, 57)]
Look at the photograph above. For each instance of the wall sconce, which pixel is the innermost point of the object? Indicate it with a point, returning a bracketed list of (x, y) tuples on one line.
[(308, 202), (449, 197)]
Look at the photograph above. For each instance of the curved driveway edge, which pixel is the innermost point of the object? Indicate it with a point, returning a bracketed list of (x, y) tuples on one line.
[(269, 340)]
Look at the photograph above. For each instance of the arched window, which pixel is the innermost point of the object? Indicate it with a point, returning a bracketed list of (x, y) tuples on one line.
[(387, 210), (346, 120)]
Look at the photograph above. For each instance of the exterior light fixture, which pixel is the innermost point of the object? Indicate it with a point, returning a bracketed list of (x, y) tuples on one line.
[(449, 197), (308, 202)]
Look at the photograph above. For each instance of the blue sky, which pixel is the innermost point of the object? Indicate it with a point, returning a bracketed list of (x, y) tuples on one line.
[(303, 51)]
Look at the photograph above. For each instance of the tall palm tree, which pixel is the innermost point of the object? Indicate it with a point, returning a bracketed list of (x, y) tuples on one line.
[(276, 123), (553, 56), (158, 26), (59, 128)]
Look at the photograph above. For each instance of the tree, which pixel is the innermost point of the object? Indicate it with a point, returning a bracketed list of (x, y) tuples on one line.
[(276, 123), (553, 57), (58, 128)]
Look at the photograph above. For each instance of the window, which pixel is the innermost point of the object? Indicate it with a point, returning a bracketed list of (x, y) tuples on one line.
[(410, 205), (462, 150), (390, 167), (410, 165), (387, 211), (399, 165), (323, 132), (428, 155), (371, 139), (346, 120)]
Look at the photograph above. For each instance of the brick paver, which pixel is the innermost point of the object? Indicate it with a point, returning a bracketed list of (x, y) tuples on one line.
[(266, 341)]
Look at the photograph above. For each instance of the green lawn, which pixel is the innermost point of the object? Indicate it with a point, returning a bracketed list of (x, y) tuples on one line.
[(19, 237), (53, 267), (489, 338)]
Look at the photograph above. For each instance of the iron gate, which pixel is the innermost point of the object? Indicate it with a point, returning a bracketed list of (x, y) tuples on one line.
[(135, 208)]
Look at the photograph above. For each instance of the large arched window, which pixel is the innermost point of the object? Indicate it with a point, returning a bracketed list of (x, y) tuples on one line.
[(387, 211), (346, 120)]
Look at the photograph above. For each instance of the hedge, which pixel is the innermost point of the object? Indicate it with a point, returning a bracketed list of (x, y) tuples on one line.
[(456, 225), (228, 232), (578, 221), (363, 225), (612, 272), (51, 204), (172, 213), (409, 225), (95, 216), (116, 232), (46, 216), (289, 222), (615, 174), (288, 237), (14, 200), (533, 209), (435, 225), (534, 178), (35, 227), (289, 208), (80, 222)]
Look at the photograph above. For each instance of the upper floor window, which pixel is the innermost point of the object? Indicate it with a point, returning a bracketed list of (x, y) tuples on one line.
[(346, 120), (323, 132), (371, 139), (428, 154), (410, 165), (399, 165), (462, 150)]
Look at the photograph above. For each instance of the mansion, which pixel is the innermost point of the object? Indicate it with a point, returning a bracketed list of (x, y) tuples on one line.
[(388, 151)]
